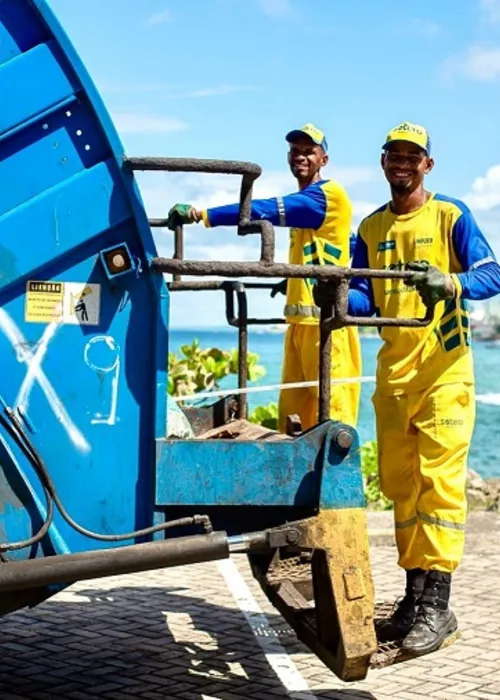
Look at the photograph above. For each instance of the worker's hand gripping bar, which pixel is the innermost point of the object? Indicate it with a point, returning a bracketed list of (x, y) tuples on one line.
[(332, 297)]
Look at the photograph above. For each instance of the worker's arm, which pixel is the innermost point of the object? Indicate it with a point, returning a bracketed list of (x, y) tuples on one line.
[(361, 302), (480, 278), (304, 209)]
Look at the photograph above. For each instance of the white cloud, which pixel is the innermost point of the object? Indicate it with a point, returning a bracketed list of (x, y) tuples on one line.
[(144, 123), (485, 191), (426, 28), (491, 9), (483, 199), (361, 209), (480, 63), (277, 8), (348, 176), (159, 17)]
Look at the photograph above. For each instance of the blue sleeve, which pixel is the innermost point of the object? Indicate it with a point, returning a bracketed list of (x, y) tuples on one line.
[(352, 244), (306, 209), (361, 302), (480, 278)]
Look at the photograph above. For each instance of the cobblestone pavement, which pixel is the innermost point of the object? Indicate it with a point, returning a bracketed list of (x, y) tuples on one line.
[(178, 633)]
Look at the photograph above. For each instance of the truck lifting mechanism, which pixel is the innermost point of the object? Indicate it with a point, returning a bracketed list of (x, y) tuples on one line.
[(89, 484)]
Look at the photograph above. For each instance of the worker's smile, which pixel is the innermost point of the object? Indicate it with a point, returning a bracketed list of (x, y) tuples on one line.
[(401, 174)]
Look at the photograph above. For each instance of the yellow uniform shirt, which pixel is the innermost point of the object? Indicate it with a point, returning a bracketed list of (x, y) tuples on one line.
[(443, 233), (328, 244)]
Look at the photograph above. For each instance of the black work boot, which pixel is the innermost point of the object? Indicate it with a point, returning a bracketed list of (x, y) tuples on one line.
[(435, 621), (403, 617)]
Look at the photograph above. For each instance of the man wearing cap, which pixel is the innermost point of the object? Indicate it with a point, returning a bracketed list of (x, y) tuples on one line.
[(424, 398), (319, 217)]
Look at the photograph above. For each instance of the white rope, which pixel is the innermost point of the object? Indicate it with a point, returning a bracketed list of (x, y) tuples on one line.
[(271, 387)]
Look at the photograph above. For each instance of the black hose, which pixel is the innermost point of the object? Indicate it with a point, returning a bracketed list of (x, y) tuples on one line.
[(21, 544), (19, 435)]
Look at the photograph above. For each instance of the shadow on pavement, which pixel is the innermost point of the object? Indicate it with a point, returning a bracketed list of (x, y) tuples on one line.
[(148, 642)]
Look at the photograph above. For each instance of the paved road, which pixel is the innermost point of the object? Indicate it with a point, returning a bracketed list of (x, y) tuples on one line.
[(181, 634)]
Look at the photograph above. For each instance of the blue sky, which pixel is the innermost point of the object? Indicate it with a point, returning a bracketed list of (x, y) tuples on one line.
[(228, 78)]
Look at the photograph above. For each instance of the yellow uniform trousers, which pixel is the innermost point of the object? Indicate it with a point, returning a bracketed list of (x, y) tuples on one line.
[(301, 364), (423, 442)]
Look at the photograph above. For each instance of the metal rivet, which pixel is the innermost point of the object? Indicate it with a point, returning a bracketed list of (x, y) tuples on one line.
[(87, 147), (79, 132), (344, 439)]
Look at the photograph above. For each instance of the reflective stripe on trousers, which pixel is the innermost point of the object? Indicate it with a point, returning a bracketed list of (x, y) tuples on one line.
[(302, 311), (428, 519)]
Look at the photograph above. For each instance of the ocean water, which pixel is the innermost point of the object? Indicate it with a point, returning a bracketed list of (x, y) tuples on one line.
[(485, 447)]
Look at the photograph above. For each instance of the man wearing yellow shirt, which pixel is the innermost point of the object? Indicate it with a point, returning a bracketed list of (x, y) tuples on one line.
[(424, 399), (319, 215)]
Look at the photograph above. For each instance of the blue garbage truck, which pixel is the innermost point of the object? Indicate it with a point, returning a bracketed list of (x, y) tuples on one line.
[(91, 481)]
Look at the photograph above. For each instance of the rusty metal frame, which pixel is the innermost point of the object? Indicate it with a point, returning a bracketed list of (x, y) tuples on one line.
[(239, 320), (333, 309), (249, 172)]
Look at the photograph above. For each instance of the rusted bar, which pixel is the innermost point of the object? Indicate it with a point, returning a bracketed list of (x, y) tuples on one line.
[(158, 223), (259, 285), (319, 272), (239, 321), (266, 230), (195, 286), (193, 165), (178, 248), (242, 350), (379, 321), (265, 321), (246, 197), (249, 171), (325, 353), (200, 268)]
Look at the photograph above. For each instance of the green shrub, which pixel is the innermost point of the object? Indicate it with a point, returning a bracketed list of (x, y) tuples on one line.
[(266, 416), (369, 468), (197, 369)]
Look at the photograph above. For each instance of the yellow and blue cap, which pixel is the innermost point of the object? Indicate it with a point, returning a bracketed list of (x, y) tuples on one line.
[(414, 133), (315, 134)]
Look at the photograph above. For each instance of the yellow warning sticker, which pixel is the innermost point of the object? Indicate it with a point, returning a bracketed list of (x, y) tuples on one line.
[(77, 303), (44, 302)]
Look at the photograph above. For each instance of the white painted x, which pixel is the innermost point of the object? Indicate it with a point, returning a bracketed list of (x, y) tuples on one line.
[(35, 374)]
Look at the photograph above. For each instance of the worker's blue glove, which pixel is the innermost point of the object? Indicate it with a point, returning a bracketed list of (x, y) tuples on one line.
[(181, 214), (432, 284), (279, 288)]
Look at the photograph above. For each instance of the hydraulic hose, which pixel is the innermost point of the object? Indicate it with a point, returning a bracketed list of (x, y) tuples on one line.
[(17, 432)]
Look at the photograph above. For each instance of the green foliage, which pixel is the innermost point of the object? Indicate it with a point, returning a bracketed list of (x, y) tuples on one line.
[(197, 369), (266, 416), (369, 467)]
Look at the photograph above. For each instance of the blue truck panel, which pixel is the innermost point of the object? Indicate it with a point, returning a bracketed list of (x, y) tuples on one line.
[(77, 374)]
